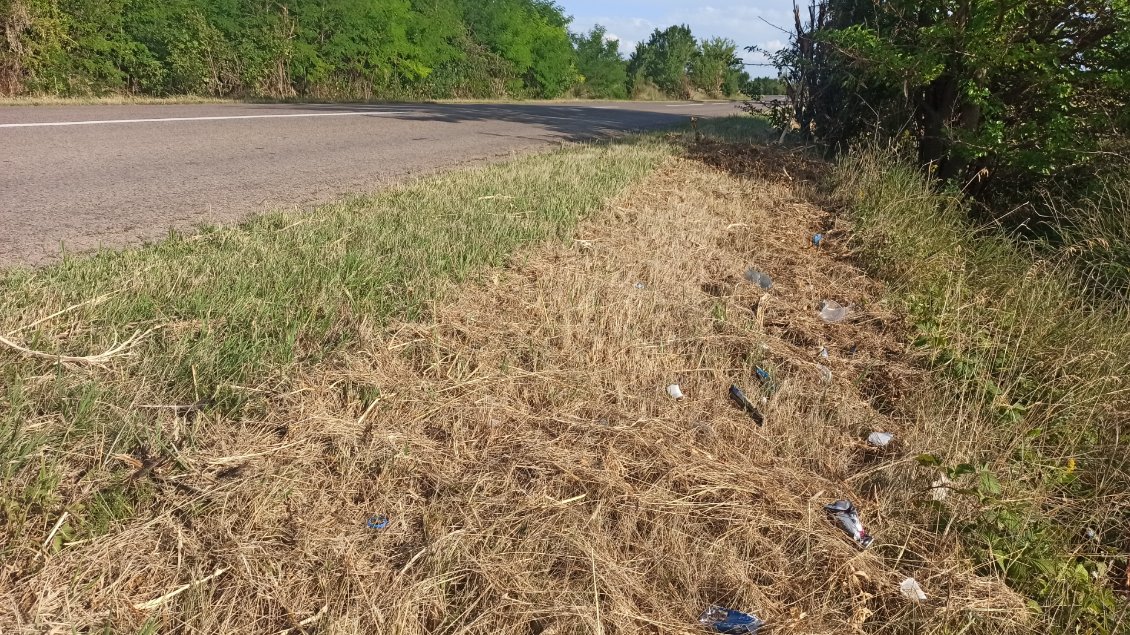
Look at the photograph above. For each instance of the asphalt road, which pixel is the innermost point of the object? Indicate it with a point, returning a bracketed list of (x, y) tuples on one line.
[(80, 177)]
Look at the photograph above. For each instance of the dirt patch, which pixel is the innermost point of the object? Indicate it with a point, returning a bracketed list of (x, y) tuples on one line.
[(535, 474)]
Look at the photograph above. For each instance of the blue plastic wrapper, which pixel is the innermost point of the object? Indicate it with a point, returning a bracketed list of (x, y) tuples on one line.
[(817, 239), (723, 620)]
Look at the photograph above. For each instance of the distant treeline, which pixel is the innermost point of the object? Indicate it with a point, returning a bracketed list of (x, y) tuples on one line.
[(345, 49)]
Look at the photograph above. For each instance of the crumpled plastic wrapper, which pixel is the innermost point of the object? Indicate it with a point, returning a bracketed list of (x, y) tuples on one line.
[(723, 620), (846, 515)]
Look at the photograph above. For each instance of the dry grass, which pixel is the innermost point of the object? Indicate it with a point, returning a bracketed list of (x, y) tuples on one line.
[(537, 477), (1031, 358)]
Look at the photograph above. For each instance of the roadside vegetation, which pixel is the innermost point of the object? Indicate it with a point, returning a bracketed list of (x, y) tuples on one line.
[(219, 326), (444, 407), (210, 432), (344, 50), (1030, 365), (992, 191)]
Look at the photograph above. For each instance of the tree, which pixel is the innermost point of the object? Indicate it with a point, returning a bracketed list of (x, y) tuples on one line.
[(665, 60), (605, 73), (761, 86), (531, 35), (715, 61), (989, 90), (323, 48)]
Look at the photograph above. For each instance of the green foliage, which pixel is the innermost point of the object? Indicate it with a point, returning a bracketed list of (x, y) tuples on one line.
[(325, 49), (1028, 370), (343, 49), (605, 73), (665, 59), (761, 86), (716, 69), (532, 36), (998, 96), (673, 62)]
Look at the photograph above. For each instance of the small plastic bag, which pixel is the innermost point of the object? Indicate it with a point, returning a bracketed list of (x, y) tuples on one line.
[(911, 590), (880, 439), (832, 311), (759, 278)]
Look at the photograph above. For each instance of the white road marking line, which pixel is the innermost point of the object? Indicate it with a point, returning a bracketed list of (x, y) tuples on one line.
[(218, 118)]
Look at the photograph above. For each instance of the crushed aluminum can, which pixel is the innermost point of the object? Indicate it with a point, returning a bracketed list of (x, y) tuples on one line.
[(739, 398), (880, 439), (723, 620), (675, 391), (845, 514)]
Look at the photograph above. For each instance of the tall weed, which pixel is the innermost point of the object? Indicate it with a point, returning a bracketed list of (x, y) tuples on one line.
[(1035, 367)]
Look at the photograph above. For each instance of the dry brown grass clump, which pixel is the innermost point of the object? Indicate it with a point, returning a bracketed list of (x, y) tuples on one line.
[(537, 477)]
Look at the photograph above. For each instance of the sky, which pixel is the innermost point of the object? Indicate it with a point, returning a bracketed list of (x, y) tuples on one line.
[(743, 22)]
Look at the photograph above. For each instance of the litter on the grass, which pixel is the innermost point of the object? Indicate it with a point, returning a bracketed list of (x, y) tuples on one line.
[(939, 489), (911, 590), (880, 439), (832, 311), (730, 621), (846, 515), (760, 279), (739, 398)]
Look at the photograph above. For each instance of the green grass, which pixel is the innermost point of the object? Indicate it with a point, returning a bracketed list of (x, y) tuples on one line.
[(1033, 375), (112, 100), (232, 313), (737, 129)]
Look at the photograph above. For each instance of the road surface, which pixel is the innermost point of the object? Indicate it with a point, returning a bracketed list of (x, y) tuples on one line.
[(81, 177)]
